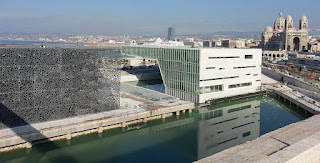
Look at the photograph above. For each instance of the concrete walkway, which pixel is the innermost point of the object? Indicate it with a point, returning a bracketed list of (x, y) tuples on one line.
[(297, 98), (157, 98), (267, 80)]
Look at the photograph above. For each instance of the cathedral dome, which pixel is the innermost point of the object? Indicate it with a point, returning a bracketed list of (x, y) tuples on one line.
[(289, 22), (303, 18), (268, 30), (303, 22), (289, 18), (279, 23)]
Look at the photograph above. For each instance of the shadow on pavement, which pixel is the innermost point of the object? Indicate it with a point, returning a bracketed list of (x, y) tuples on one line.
[(7, 115)]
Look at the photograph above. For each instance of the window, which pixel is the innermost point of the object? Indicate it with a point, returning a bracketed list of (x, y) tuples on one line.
[(216, 88), (208, 115), (242, 125), (210, 89), (220, 78), (240, 85), (246, 84), (244, 67), (239, 108), (227, 140), (217, 113), (207, 90), (221, 68), (247, 74), (211, 79), (255, 74), (248, 56), (210, 68), (224, 57), (234, 86), (246, 134)]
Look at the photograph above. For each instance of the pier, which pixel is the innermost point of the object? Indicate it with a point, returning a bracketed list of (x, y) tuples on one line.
[(298, 99)]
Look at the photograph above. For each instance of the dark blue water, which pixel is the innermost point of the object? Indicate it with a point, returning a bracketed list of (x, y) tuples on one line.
[(184, 138)]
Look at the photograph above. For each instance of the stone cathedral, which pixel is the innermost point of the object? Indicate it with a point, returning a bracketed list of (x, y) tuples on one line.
[(283, 36)]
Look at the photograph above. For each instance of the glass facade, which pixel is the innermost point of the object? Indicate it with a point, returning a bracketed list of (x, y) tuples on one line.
[(240, 85), (210, 89), (179, 67)]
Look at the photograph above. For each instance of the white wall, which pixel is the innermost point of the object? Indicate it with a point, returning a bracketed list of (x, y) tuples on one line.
[(229, 71)]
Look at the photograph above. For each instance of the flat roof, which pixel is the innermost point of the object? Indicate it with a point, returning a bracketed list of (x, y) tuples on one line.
[(164, 46), (182, 47)]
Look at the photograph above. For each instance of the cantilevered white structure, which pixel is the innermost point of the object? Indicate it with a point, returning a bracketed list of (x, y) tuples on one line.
[(202, 74)]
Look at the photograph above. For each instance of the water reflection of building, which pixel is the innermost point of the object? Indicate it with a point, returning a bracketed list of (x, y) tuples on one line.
[(187, 137), (223, 127)]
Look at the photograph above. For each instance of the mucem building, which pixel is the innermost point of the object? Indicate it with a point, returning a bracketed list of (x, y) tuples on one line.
[(45, 84), (203, 74)]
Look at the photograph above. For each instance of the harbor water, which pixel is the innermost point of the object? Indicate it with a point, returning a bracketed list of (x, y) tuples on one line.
[(183, 138)]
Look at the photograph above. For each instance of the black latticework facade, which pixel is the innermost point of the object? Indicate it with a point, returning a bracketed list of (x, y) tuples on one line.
[(38, 85)]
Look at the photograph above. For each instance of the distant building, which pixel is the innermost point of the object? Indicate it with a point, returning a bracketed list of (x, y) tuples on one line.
[(133, 42), (216, 43), (207, 43), (171, 33), (314, 47), (188, 43), (233, 43), (202, 74), (283, 36), (159, 42), (252, 43), (275, 55), (190, 39), (193, 44)]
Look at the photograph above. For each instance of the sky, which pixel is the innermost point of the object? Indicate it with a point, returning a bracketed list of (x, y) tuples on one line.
[(150, 17)]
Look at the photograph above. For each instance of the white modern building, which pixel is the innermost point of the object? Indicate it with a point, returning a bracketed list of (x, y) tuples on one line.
[(202, 74)]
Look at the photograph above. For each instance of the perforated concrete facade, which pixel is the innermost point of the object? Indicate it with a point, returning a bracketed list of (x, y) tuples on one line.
[(38, 85)]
